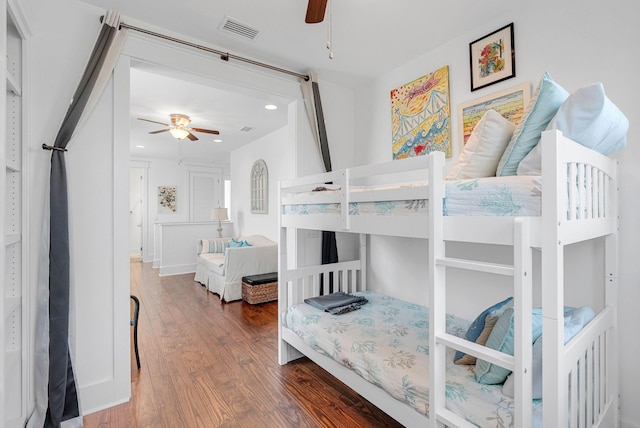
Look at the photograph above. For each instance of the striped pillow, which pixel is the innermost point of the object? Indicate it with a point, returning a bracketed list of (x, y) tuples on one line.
[(213, 245)]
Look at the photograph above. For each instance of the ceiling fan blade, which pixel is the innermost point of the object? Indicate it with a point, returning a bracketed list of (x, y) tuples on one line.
[(315, 11), (157, 132), (206, 131), (153, 121), (191, 137)]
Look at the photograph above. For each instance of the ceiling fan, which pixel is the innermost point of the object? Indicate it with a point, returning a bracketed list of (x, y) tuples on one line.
[(179, 127), (315, 11)]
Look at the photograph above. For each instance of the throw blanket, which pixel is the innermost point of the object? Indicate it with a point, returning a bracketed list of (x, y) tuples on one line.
[(337, 303)]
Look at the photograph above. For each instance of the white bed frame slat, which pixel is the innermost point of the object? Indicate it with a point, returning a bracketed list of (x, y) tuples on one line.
[(579, 200)]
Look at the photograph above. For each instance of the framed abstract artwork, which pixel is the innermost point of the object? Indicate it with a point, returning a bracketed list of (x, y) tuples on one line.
[(510, 103), (420, 116), (167, 201), (492, 58)]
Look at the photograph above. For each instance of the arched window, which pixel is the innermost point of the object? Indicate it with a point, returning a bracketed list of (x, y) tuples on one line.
[(259, 188)]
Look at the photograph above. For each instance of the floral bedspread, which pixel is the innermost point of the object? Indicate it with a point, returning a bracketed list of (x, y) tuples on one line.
[(489, 196), (387, 343)]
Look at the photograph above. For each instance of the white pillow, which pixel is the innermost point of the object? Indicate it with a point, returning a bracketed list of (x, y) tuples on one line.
[(532, 163), (484, 148), (587, 117)]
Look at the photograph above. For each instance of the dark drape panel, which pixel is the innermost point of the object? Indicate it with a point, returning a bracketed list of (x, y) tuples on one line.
[(61, 393), (329, 246)]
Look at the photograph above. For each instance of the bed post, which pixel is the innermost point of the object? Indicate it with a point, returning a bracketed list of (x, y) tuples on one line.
[(364, 239), (283, 347), (611, 297), (523, 304), (437, 291), (553, 216)]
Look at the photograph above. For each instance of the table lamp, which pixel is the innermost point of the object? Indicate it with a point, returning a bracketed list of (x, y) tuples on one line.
[(219, 214)]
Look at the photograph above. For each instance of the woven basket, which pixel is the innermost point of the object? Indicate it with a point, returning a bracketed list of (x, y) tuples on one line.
[(260, 293)]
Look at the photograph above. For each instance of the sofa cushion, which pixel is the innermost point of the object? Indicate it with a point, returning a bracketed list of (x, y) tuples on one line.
[(213, 262)]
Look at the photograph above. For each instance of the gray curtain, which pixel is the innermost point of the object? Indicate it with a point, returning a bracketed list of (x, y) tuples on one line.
[(313, 104), (56, 393)]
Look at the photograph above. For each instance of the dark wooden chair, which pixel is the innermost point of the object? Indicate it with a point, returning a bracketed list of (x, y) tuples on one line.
[(134, 324)]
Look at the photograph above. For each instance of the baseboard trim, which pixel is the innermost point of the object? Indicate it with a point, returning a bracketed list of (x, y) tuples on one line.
[(177, 269)]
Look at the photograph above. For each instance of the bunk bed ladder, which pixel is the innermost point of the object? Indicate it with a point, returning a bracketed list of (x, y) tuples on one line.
[(520, 364)]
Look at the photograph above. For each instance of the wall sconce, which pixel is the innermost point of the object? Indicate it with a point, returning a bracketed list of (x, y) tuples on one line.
[(219, 214)]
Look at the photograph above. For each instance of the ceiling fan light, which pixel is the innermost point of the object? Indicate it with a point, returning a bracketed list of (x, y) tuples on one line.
[(179, 133)]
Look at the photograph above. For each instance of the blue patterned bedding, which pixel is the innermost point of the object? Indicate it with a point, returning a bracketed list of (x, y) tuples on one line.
[(490, 196), (387, 343)]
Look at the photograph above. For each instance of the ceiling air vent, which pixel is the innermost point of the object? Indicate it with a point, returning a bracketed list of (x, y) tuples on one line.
[(238, 28), (246, 129)]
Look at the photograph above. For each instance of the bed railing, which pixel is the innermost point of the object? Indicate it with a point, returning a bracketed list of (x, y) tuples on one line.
[(579, 203), (578, 186), (322, 279), (588, 370), (355, 185)]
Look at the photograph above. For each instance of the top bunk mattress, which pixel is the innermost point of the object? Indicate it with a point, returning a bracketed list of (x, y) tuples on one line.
[(387, 343), (489, 196)]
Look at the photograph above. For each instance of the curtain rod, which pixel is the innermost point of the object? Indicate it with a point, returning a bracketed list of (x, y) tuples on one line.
[(225, 56)]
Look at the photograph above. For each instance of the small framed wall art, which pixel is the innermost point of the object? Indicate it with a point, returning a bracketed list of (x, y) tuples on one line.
[(167, 200), (492, 58)]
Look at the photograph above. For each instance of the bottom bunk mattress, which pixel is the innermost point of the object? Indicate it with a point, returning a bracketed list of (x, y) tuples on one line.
[(386, 342)]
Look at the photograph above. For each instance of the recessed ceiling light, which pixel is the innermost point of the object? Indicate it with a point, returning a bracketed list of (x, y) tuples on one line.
[(217, 140), (140, 147), (271, 107)]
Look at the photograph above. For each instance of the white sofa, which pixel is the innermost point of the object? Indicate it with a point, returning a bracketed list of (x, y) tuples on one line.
[(222, 271)]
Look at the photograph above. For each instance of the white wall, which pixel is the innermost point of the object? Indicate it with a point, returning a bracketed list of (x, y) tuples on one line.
[(276, 151), (578, 42), (165, 172), (285, 160)]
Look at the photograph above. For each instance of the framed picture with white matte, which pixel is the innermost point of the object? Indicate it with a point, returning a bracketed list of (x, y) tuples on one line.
[(492, 58), (510, 103)]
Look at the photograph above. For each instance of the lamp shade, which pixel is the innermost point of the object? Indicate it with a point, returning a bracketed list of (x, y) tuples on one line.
[(219, 214), (179, 133)]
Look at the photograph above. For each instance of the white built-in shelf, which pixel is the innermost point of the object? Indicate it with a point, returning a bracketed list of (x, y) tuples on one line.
[(13, 85)]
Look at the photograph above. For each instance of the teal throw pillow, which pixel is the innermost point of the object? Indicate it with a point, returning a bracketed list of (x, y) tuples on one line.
[(477, 325), (546, 100), (501, 339)]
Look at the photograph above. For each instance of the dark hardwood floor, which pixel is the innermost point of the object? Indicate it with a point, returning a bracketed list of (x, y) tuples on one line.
[(209, 364)]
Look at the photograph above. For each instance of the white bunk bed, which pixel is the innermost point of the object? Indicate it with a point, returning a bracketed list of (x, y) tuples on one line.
[(579, 203)]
